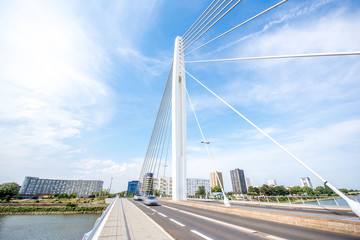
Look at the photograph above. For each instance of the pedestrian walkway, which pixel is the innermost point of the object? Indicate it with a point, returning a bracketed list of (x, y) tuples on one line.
[(125, 221)]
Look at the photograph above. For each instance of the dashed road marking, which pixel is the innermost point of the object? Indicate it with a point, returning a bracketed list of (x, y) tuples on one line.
[(242, 229), (201, 235), (171, 208), (153, 210), (178, 223), (162, 214)]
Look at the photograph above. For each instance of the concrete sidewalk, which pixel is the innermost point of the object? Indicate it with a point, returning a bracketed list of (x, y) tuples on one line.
[(125, 221)]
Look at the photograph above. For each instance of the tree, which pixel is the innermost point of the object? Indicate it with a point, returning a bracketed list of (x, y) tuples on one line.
[(216, 189), (201, 191), (296, 190), (7, 190), (280, 191), (308, 190), (156, 193), (72, 195), (344, 190), (319, 190), (266, 190), (328, 191)]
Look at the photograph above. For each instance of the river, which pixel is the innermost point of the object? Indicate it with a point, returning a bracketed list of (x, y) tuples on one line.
[(339, 201), (41, 227)]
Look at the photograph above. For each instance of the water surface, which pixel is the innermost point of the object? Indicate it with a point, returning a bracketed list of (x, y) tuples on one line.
[(30, 227)]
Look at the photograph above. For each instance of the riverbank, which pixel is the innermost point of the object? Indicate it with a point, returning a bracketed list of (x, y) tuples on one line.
[(53, 206), (50, 210)]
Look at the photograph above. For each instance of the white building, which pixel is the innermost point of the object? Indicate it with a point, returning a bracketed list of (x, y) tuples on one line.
[(305, 182), (248, 183), (272, 182), (164, 186), (193, 185)]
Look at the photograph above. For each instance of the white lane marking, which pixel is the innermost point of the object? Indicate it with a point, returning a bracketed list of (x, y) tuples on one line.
[(177, 222), (321, 210), (156, 224), (162, 214), (201, 235), (153, 210), (171, 208), (242, 229)]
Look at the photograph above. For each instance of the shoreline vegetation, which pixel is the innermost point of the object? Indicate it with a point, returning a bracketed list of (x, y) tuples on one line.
[(53, 206)]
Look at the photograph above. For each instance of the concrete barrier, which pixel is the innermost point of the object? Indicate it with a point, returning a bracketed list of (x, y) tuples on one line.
[(325, 224)]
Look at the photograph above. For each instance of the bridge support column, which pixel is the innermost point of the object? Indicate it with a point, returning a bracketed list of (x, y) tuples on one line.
[(178, 124)]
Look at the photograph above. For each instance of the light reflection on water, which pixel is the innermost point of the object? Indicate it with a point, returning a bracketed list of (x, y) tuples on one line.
[(29, 227)]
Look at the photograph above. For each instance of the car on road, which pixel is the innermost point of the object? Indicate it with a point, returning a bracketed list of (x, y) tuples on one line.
[(138, 197), (150, 200)]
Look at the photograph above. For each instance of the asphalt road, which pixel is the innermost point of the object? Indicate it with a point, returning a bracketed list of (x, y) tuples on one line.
[(323, 210), (183, 222)]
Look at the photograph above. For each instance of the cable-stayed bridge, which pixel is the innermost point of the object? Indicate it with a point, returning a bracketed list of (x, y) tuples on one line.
[(167, 146)]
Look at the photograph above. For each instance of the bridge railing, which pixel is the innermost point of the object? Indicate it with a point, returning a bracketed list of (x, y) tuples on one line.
[(314, 200), (90, 235)]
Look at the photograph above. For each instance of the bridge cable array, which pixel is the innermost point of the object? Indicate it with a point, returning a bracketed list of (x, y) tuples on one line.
[(232, 7), (160, 136), (237, 26), (204, 21), (191, 27), (333, 54), (208, 22), (259, 129)]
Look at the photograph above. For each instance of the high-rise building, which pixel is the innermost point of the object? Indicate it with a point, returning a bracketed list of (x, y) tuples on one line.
[(305, 182), (37, 186), (272, 182), (132, 187), (238, 181), (248, 183), (193, 185), (147, 185), (214, 181)]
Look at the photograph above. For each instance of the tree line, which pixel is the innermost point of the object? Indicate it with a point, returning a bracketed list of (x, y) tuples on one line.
[(295, 190)]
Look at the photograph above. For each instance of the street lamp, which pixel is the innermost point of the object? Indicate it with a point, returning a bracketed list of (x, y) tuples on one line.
[(226, 200)]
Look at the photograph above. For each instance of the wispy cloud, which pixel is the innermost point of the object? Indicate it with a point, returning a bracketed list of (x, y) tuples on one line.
[(309, 105), (51, 87)]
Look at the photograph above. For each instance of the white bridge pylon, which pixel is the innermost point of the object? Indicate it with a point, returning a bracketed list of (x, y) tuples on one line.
[(178, 122)]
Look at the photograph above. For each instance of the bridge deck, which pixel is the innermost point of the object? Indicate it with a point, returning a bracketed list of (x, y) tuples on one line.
[(125, 221)]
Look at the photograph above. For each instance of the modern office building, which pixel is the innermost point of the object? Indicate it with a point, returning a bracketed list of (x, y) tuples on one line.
[(132, 187), (238, 181), (193, 185), (214, 181), (305, 182), (272, 183), (37, 186)]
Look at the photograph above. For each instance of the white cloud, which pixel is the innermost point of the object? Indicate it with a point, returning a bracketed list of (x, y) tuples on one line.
[(50, 79), (148, 66), (309, 105), (105, 169)]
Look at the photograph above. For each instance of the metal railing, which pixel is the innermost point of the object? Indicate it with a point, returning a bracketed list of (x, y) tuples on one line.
[(90, 235)]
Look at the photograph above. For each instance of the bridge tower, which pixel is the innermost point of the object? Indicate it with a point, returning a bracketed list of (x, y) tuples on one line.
[(178, 123)]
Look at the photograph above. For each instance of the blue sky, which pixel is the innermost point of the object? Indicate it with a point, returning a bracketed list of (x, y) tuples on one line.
[(81, 82)]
